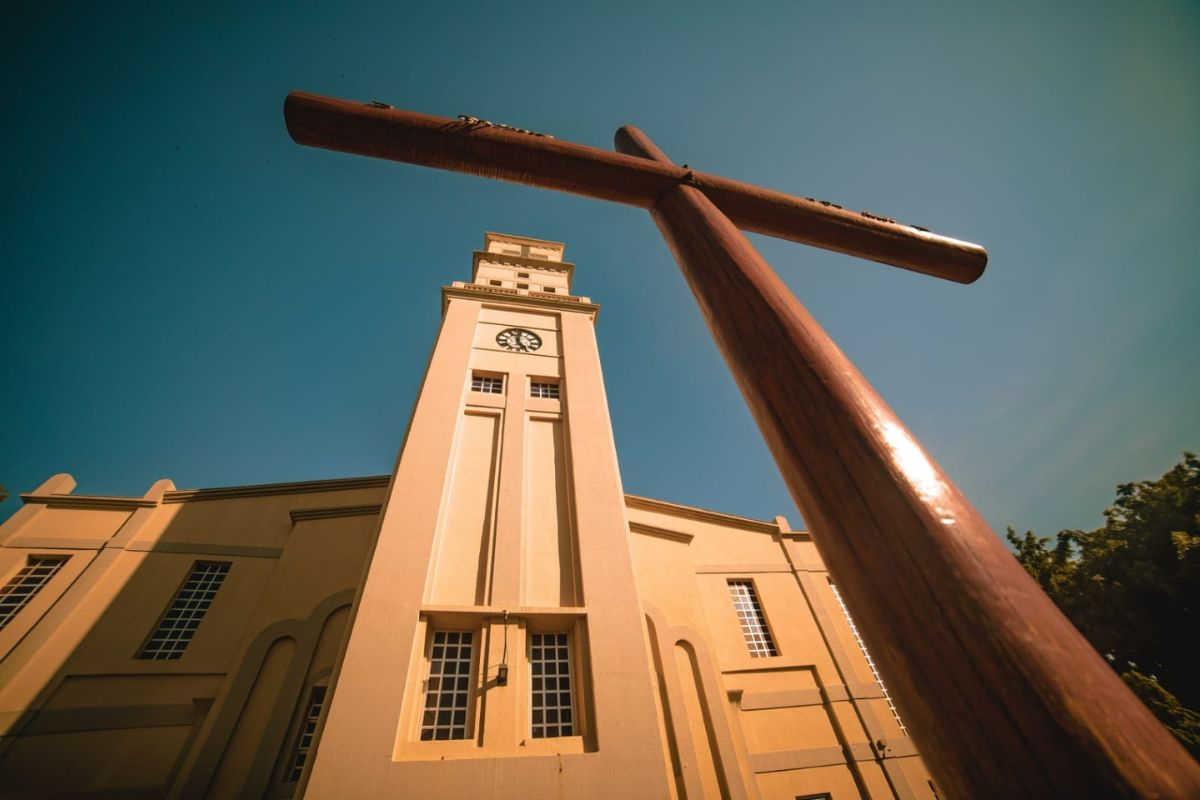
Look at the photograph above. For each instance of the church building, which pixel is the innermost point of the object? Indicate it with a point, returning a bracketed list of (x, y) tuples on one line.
[(496, 619)]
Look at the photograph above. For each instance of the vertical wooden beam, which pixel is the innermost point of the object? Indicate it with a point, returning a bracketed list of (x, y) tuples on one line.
[(1002, 694)]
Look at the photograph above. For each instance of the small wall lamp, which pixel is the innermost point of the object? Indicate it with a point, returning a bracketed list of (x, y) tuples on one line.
[(502, 670)]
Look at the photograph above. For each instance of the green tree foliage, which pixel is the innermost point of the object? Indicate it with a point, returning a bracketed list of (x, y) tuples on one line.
[(1182, 722), (1132, 587)]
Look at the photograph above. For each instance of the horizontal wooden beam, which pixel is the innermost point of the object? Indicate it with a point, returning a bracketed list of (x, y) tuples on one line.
[(480, 148)]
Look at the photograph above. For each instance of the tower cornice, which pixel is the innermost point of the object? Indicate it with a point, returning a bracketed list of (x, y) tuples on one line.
[(521, 261), (519, 297)]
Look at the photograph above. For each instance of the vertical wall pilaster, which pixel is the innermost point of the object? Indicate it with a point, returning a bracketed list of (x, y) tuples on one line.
[(360, 731), (625, 714)]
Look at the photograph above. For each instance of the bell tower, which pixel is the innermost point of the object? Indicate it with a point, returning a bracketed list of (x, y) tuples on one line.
[(497, 646)]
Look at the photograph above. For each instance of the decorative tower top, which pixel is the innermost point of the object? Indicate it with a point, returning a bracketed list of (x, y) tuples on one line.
[(523, 246), (522, 265)]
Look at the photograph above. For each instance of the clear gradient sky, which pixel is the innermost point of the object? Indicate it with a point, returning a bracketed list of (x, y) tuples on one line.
[(188, 294)]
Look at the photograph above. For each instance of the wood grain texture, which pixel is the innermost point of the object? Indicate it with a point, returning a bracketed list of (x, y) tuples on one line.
[(481, 149), (1003, 696)]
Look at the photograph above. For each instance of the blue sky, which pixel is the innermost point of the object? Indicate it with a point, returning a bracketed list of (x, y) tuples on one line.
[(188, 294)]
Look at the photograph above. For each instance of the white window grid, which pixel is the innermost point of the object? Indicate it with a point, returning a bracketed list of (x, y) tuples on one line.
[(178, 625), (543, 389), (754, 623), (28, 581), (488, 384), (448, 686), (867, 655), (308, 729), (552, 712)]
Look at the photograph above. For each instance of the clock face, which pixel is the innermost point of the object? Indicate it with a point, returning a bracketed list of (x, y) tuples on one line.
[(519, 340)]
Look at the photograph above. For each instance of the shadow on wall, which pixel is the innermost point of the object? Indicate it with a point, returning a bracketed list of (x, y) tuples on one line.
[(180, 648)]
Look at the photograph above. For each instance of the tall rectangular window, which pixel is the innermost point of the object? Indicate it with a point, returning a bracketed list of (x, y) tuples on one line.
[(448, 687), (191, 602), (28, 581), (543, 389), (866, 654), (488, 384), (552, 710), (750, 615), (308, 729)]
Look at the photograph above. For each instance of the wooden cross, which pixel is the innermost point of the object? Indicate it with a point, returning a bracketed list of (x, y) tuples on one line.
[(1002, 694)]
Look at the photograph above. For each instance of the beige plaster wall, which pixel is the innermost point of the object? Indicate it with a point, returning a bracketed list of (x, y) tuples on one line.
[(216, 720), (226, 715), (808, 720), (505, 517)]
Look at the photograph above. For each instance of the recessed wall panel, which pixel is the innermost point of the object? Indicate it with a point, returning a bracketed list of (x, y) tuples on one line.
[(461, 569), (549, 540)]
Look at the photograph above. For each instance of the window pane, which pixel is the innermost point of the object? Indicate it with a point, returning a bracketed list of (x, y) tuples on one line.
[(182, 617), (551, 700), (750, 615), (28, 581), (543, 389), (447, 698), (308, 728), (488, 384)]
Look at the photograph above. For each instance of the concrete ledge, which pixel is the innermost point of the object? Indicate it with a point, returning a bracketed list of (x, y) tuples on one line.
[(835, 692), (56, 542), (865, 691), (204, 549), (70, 720), (699, 514), (661, 533), (758, 701), (899, 747), (740, 569), (330, 512), (89, 501), (471, 291), (264, 489), (782, 760)]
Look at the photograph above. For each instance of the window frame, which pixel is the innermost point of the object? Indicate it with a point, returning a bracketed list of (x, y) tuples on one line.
[(144, 653), (545, 384), (294, 752), (18, 578), (489, 383), (761, 643), (472, 691), (535, 675)]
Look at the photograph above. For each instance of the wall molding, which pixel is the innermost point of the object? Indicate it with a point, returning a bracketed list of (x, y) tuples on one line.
[(661, 533), (783, 760), (740, 569), (203, 549), (72, 720), (264, 489), (699, 514), (89, 501), (471, 291), (331, 512)]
